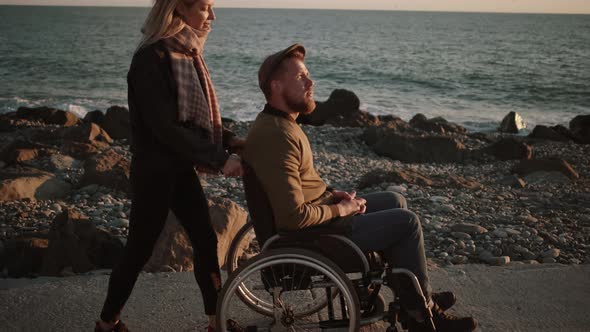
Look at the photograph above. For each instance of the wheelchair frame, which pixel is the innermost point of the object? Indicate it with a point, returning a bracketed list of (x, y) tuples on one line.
[(343, 288)]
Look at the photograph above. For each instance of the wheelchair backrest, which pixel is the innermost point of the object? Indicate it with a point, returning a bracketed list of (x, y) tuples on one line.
[(258, 205)]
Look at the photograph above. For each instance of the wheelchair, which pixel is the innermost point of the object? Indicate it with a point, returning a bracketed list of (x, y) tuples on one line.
[(308, 280)]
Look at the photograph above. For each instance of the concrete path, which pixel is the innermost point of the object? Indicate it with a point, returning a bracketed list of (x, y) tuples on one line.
[(511, 298)]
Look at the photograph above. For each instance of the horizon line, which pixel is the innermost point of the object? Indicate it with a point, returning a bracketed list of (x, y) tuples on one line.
[(335, 9)]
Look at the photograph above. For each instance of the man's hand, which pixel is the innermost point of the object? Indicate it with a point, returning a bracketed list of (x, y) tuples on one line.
[(352, 207), (342, 195), (233, 166)]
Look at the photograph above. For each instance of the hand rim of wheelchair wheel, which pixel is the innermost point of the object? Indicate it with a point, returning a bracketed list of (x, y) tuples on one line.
[(245, 295), (290, 256)]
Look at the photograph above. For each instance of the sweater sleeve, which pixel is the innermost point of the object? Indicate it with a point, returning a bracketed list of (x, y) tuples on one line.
[(277, 166)]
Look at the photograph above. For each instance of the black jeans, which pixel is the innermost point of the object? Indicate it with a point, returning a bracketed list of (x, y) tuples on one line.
[(153, 195), (389, 226)]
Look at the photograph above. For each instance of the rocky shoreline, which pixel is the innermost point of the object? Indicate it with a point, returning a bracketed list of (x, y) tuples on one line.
[(496, 198)]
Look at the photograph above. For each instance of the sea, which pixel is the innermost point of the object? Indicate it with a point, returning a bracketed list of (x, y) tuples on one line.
[(470, 68)]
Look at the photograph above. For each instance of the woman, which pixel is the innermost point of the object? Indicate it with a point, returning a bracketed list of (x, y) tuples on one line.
[(175, 127)]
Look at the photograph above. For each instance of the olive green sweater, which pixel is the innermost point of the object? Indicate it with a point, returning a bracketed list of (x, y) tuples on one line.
[(280, 155)]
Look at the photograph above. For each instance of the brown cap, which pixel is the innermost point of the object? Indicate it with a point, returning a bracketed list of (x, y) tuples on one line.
[(272, 62)]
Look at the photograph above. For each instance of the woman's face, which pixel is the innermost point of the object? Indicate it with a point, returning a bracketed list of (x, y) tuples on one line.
[(197, 13)]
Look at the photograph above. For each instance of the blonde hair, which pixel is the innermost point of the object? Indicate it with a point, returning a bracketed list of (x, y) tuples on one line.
[(162, 22)]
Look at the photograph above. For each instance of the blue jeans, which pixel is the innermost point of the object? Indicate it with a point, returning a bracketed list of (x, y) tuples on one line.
[(388, 226)]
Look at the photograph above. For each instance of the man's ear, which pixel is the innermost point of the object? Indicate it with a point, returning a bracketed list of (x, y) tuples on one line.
[(276, 86)]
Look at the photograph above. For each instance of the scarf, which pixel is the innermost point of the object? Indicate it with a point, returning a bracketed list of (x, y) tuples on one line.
[(197, 101)]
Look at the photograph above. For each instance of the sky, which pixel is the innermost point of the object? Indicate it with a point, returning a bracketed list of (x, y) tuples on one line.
[(510, 6)]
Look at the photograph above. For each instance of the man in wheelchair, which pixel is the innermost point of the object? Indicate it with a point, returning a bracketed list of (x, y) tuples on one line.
[(279, 152)]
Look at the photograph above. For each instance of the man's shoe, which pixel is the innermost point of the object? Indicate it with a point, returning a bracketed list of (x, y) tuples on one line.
[(445, 322), (445, 300), (119, 327)]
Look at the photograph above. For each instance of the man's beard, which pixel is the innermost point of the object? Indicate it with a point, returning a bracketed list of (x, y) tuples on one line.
[(303, 106)]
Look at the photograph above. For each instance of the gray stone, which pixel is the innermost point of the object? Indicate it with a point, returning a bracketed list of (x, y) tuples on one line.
[(511, 232), (529, 219), (459, 259), (497, 251), (397, 189), (498, 261), (500, 233), (461, 235), (90, 189), (451, 249), (439, 199), (484, 255), (56, 207), (120, 222), (528, 255), (446, 208), (548, 260), (553, 253), (61, 162), (512, 123), (469, 228), (547, 177)]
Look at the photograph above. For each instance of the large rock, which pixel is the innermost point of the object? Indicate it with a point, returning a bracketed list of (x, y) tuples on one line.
[(510, 149), (74, 242), (395, 123), (544, 177), (23, 150), (436, 125), (173, 249), (108, 169), (117, 123), (227, 218), (24, 255), (60, 162), (527, 167), (48, 115), (87, 133), (341, 110), (555, 133), (82, 151), (85, 140), (512, 123), (94, 117), (397, 176), (580, 128), (416, 149), (19, 183)]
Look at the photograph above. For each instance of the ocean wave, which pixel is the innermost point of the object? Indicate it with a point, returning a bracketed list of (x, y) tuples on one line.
[(78, 106)]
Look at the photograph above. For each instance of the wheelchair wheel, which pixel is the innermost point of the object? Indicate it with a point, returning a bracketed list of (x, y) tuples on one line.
[(282, 278), (245, 246)]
